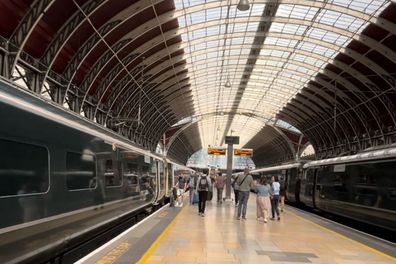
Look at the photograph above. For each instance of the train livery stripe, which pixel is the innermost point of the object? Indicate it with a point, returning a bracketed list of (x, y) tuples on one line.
[(345, 237), (150, 251)]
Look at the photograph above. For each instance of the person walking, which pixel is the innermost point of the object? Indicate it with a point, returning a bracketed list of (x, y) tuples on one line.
[(263, 199), (203, 186), (192, 184), (282, 194), (245, 182), (181, 187), (275, 190), (220, 182), (235, 186)]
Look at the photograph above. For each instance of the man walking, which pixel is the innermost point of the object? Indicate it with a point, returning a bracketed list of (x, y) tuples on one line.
[(203, 186), (220, 182), (245, 182)]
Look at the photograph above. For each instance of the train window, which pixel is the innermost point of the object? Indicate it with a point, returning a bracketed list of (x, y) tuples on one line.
[(80, 171), (23, 168), (130, 166), (130, 173), (112, 178)]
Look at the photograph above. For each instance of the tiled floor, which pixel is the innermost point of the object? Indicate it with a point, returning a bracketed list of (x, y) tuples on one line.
[(220, 238)]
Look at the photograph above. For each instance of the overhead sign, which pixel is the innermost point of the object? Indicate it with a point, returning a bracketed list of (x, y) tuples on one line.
[(216, 151), (232, 140), (243, 152)]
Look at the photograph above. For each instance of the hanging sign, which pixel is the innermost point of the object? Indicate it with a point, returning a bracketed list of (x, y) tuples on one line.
[(243, 152), (216, 151)]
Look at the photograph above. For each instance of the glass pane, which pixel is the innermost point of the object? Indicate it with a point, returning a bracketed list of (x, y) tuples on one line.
[(80, 171), (23, 168)]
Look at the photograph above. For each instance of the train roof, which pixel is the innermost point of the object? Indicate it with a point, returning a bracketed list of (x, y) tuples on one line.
[(26, 100), (369, 155), (279, 167)]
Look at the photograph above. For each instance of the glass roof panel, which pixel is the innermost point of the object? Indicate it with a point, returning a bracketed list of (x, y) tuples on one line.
[(289, 50)]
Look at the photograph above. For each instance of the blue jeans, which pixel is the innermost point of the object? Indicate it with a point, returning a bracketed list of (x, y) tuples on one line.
[(274, 206), (243, 197)]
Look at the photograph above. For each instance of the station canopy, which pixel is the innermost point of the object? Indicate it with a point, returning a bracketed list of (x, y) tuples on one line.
[(281, 75)]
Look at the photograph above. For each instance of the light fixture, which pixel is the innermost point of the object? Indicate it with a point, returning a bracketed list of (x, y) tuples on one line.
[(228, 83), (243, 5)]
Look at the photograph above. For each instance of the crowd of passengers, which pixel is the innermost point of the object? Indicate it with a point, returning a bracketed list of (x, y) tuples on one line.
[(270, 195)]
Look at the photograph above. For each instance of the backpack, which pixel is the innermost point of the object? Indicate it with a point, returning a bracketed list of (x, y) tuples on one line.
[(203, 183)]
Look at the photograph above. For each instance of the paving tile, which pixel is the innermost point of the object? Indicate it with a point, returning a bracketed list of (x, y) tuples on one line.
[(219, 238)]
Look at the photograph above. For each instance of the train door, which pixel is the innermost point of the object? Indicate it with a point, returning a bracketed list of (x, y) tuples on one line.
[(148, 182), (169, 178), (307, 187), (161, 180), (315, 173)]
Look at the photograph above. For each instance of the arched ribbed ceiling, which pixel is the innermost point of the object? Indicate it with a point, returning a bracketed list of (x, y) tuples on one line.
[(140, 67), (268, 54)]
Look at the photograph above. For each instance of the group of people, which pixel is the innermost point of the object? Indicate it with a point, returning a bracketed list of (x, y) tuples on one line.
[(269, 193), (202, 185)]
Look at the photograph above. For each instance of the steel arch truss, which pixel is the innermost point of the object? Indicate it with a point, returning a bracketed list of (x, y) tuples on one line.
[(139, 67)]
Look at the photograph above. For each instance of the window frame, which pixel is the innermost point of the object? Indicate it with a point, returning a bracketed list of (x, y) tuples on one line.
[(48, 166), (95, 171)]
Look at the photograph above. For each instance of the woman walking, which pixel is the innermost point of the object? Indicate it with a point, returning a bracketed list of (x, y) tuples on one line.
[(263, 200)]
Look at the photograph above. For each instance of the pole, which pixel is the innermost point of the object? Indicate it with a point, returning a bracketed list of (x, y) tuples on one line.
[(230, 153)]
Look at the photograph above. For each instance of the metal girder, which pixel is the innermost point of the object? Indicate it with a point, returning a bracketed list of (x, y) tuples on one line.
[(345, 98), (353, 54), (317, 108), (288, 19), (387, 25), (128, 98), (313, 138), (123, 84), (67, 30), (115, 73), (23, 31), (317, 131), (328, 100), (85, 49), (154, 120), (310, 119), (95, 71), (381, 48)]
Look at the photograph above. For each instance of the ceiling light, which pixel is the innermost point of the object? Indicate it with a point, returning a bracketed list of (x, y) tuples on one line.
[(243, 5)]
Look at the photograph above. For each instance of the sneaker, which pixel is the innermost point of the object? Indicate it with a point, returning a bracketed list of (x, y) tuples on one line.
[(203, 215), (238, 218), (265, 220), (244, 218)]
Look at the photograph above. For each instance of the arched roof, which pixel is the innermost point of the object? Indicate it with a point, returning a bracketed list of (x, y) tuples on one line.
[(140, 67)]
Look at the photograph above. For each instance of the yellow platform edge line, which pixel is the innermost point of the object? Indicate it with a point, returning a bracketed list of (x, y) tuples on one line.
[(150, 251), (376, 251)]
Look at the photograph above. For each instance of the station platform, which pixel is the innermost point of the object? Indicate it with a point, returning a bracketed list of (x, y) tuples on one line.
[(180, 235)]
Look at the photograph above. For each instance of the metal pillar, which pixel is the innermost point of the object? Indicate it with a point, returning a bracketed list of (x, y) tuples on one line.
[(230, 152)]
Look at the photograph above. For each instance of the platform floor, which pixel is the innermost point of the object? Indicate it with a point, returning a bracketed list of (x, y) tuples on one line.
[(220, 238)]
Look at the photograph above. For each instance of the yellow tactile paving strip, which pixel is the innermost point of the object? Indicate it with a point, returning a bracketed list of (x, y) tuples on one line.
[(219, 238)]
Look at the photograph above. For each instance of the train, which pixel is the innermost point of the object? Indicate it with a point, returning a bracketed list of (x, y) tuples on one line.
[(361, 186), (65, 178)]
